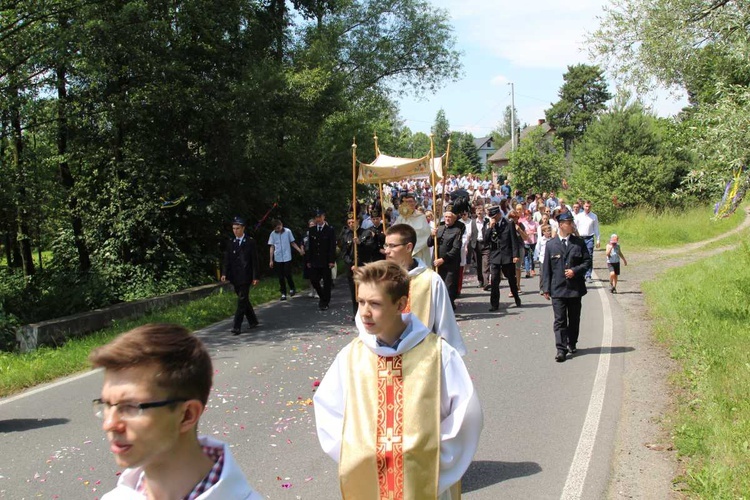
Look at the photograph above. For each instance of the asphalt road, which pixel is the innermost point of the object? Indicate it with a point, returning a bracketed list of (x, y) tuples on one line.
[(548, 433)]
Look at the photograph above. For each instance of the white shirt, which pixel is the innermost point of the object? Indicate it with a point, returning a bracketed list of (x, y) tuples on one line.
[(587, 224)]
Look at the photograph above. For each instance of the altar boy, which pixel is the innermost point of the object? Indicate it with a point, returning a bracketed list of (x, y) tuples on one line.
[(397, 409)]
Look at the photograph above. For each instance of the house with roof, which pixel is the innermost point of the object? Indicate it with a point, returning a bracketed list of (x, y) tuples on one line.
[(485, 148), (499, 159)]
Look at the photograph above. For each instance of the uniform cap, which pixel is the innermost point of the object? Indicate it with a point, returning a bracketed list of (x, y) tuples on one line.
[(238, 220)]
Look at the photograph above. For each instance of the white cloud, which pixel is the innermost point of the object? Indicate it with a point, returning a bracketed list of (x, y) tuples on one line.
[(542, 34), (499, 80)]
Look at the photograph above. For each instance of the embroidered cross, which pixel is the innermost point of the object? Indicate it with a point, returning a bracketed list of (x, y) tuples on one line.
[(389, 373), (389, 440)]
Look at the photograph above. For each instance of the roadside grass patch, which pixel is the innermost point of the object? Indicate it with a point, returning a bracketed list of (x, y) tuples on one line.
[(644, 228), (702, 313), (19, 371)]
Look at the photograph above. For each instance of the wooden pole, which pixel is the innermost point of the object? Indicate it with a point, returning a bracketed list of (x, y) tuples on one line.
[(432, 169), (445, 176), (354, 193)]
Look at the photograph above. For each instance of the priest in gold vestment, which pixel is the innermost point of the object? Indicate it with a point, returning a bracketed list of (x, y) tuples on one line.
[(397, 409)]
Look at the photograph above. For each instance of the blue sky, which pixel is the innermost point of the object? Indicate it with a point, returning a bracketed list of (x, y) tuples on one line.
[(527, 43)]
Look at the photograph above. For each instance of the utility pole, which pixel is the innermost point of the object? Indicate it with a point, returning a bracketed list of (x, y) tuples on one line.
[(512, 117)]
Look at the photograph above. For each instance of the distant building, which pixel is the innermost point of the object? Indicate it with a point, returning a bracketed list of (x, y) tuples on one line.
[(485, 149), (499, 160)]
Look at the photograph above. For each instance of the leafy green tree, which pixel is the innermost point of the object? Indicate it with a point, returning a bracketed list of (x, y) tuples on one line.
[(441, 132), (538, 163), (464, 156), (694, 45), (582, 97), (627, 159), (502, 133)]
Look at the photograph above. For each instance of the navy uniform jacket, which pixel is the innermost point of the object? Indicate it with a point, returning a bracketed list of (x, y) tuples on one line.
[(241, 262), (371, 242), (502, 240), (449, 243), (322, 246), (556, 260)]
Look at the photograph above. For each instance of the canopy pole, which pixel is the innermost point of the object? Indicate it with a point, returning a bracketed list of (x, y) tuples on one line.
[(354, 194), (382, 214), (432, 177), (377, 149), (445, 176)]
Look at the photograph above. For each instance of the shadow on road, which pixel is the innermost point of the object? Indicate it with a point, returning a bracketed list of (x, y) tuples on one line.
[(484, 473), (598, 350), (27, 424)]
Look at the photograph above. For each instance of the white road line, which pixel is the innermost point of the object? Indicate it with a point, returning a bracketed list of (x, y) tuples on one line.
[(48, 386), (579, 467)]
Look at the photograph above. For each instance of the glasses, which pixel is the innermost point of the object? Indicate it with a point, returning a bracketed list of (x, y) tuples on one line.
[(391, 246), (127, 411)]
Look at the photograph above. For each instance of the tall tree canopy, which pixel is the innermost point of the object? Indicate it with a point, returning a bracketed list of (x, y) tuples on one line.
[(583, 95), (700, 46), (131, 132)]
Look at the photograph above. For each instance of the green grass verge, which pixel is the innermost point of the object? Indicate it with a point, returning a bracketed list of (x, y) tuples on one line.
[(20, 371), (702, 313), (644, 229)]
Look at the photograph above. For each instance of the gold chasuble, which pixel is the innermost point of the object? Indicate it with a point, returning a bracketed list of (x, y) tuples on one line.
[(390, 446), (420, 296)]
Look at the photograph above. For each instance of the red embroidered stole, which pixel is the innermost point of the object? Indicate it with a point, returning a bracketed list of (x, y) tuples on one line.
[(391, 441)]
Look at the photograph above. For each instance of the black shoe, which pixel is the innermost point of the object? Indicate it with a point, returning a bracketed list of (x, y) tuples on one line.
[(518, 302), (560, 357), (292, 293), (235, 331), (487, 288), (323, 307), (253, 325), (572, 349), (494, 308)]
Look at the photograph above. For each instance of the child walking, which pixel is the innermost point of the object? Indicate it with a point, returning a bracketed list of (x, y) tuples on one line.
[(614, 256)]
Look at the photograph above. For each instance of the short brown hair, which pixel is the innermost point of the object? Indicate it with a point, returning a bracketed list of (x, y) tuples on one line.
[(187, 372), (393, 278), (405, 231)]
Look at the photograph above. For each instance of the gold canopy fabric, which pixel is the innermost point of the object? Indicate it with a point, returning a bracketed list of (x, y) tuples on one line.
[(391, 168)]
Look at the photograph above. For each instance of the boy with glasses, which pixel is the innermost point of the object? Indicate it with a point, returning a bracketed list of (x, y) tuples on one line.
[(428, 296), (157, 379)]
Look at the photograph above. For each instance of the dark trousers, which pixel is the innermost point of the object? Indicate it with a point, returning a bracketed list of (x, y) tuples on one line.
[(509, 270), (352, 291), (590, 245), (284, 272), (450, 277), (244, 308), (324, 292), (567, 321), (482, 262)]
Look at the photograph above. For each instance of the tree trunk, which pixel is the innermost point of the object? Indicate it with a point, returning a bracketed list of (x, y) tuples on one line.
[(66, 177), (24, 238)]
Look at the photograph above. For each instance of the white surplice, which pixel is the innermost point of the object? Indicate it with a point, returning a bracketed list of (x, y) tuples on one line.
[(442, 318), (461, 417)]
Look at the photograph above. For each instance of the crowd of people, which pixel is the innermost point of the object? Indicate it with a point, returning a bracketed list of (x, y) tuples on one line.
[(405, 275)]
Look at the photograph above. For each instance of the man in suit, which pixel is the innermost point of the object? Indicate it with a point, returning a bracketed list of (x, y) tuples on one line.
[(449, 242), (566, 260), (241, 270), (500, 233), (322, 257)]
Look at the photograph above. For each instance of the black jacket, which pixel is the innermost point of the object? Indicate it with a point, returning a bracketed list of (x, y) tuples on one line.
[(322, 246), (371, 242), (449, 243), (240, 261), (502, 240), (557, 259)]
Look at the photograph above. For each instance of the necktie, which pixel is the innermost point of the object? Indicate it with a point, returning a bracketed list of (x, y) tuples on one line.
[(565, 243)]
